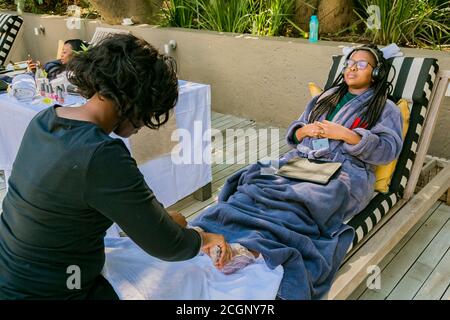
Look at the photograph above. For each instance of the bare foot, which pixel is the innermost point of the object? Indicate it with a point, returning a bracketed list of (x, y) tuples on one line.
[(238, 258)]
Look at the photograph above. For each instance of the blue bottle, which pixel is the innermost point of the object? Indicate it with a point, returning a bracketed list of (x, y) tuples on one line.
[(313, 29)]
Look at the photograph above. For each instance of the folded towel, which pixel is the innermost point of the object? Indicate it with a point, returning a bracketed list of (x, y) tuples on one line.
[(23, 87), (390, 51)]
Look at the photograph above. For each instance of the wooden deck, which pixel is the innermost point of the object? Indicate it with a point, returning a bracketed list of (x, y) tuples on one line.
[(417, 268)]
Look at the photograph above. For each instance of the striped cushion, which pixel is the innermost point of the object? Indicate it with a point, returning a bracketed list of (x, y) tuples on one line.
[(413, 81), (364, 221), (9, 27)]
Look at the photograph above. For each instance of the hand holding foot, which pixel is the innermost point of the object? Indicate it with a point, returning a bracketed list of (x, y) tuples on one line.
[(236, 258), (212, 240)]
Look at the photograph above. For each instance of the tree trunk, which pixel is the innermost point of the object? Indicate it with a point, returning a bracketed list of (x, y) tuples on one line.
[(140, 11), (333, 15)]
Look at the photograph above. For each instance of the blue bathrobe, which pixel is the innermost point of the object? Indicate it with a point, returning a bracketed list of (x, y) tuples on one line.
[(300, 224)]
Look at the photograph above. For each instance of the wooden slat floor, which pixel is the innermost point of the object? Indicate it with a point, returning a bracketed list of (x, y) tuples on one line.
[(417, 268), (188, 206)]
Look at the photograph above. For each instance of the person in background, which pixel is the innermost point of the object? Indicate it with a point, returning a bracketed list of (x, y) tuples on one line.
[(55, 67)]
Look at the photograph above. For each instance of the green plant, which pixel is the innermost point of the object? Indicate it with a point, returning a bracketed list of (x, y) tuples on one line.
[(178, 13), (260, 17), (83, 49), (224, 15), (49, 6), (31, 5), (271, 17), (414, 22), (429, 33)]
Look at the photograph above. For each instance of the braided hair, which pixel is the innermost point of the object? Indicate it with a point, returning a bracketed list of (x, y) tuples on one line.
[(373, 108)]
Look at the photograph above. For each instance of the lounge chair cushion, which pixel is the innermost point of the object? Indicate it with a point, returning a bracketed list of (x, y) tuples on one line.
[(9, 27)]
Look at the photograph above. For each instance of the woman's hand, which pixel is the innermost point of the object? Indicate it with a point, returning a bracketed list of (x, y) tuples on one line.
[(178, 218), (211, 240), (335, 131), (31, 65), (311, 130)]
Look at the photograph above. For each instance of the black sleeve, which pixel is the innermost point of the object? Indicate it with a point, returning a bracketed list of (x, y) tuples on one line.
[(117, 189)]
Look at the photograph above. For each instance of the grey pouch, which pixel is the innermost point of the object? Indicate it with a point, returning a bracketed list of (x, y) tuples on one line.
[(309, 170)]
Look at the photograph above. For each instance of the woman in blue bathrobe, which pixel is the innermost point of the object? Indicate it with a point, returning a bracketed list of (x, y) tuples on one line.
[(300, 224)]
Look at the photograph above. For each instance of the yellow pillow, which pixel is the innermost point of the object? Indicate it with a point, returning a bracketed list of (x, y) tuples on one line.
[(383, 173), (314, 90)]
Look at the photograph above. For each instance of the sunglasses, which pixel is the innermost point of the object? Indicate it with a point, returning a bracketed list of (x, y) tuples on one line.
[(360, 64)]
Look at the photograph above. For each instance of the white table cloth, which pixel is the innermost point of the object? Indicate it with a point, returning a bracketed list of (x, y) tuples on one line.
[(169, 181)]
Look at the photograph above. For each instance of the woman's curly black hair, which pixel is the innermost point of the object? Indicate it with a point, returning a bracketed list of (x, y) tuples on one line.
[(130, 72)]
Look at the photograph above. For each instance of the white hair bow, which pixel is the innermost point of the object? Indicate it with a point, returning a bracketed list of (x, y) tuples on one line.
[(389, 51)]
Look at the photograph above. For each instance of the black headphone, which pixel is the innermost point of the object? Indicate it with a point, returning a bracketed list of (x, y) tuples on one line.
[(379, 71)]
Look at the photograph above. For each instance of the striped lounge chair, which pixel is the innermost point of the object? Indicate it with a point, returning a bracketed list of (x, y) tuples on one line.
[(418, 81), (9, 28)]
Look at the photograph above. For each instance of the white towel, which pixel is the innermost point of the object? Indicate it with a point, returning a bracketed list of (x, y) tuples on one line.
[(390, 51), (135, 275), (23, 87)]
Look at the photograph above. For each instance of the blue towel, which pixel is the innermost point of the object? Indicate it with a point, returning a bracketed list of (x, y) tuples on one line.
[(6, 78)]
